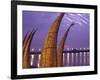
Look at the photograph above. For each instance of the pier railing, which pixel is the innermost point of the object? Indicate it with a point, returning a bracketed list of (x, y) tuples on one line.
[(71, 57)]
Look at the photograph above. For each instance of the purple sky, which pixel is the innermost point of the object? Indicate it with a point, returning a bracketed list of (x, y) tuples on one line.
[(78, 36)]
